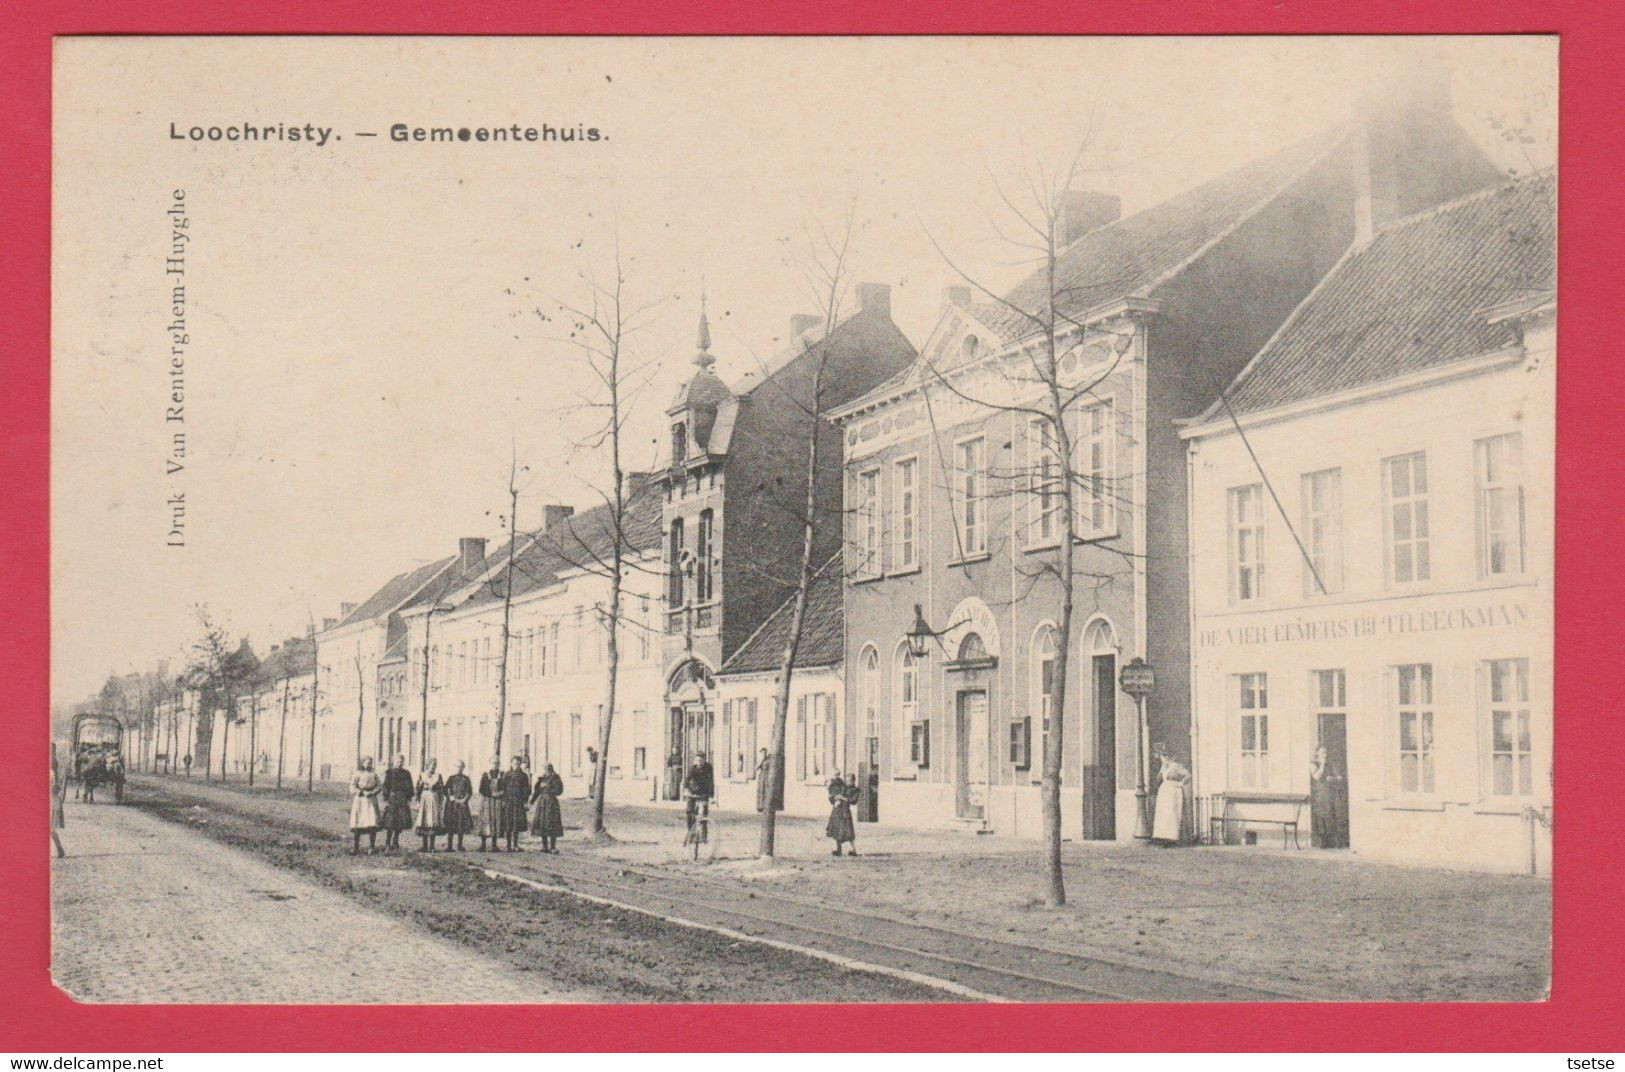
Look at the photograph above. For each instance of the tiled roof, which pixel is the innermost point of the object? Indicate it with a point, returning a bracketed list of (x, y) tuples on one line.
[(584, 540), (823, 640), (1133, 256), (290, 659), (1420, 294), (395, 592)]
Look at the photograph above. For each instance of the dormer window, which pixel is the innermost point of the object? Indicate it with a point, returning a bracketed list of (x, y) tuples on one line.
[(971, 346), (679, 443)]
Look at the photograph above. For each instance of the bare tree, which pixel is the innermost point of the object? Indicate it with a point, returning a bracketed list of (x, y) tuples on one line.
[(1048, 387), (315, 693), (512, 523), (826, 269), (600, 326), (360, 705)]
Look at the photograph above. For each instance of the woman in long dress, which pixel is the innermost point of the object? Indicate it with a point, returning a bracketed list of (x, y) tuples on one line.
[(546, 820), (458, 819), (840, 827), (365, 786), (1168, 824), (489, 819), (431, 793), (398, 791)]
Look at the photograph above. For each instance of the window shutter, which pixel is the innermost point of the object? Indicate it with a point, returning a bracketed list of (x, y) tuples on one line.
[(801, 738), (727, 738)]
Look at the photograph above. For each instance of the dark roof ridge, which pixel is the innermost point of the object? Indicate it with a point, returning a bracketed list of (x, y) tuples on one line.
[(780, 609), (1465, 199)]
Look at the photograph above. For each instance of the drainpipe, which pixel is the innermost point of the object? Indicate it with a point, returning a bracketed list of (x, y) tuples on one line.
[(1190, 615)]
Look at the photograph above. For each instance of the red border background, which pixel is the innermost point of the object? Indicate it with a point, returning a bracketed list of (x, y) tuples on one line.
[(1589, 942)]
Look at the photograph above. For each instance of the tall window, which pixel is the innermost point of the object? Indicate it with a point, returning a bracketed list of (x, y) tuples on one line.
[(644, 626), (908, 709), (575, 741), (972, 475), (1414, 723), (1511, 758), (866, 520), (1097, 438), (869, 694), (1253, 737), (905, 478), (1246, 505), (1322, 495), (1045, 470), (462, 663), (1331, 691), (1498, 472), (553, 642), (702, 558), (1044, 687), (485, 659), (674, 566), (576, 625), (1405, 483)]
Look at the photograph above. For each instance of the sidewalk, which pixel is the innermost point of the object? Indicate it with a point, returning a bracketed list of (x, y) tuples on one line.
[(145, 911), (1329, 921)]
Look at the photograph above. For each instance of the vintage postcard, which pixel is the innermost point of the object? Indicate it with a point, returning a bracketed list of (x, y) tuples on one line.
[(780, 520)]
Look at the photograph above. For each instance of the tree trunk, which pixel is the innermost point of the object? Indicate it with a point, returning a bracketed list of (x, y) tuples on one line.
[(253, 735), (601, 769), (282, 735), (315, 691), (225, 742), (507, 611), (360, 707), (798, 616), (1055, 890)]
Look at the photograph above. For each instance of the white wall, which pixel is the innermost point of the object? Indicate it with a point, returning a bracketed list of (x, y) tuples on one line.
[(1454, 621)]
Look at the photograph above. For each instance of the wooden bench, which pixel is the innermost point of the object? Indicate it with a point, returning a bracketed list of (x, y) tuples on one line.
[(1257, 807)]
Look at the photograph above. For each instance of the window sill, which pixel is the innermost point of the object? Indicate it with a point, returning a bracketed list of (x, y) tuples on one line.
[(869, 578), (904, 778), (1508, 806), (971, 560), (904, 571), (1413, 804)]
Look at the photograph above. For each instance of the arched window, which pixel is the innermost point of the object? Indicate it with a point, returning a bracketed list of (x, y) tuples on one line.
[(972, 648), (971, 346), (869, 693), (915, 740)]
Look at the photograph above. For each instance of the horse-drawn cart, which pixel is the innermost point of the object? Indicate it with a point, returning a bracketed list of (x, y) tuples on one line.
[(98, 756)]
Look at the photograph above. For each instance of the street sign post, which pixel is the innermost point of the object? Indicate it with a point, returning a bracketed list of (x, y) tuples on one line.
[(1138, 678)]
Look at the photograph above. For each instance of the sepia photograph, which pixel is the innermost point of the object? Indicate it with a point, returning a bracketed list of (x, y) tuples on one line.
[(802, 520)]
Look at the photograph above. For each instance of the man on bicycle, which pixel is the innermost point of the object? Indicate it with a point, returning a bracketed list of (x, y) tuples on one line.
[(699, 785)]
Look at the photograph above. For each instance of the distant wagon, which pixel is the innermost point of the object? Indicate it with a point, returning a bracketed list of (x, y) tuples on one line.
[(98, 755)]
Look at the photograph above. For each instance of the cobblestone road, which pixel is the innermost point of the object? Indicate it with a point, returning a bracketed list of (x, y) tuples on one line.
[(147, 911)]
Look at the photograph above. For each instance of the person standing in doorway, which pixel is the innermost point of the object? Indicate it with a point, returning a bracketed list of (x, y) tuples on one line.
[(546, 819), (364, 789), (458, 820), (764, 779), (1168, 822), (397, 793)]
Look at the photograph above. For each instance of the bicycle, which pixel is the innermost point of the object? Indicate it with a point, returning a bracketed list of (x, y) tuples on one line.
[(699, 826)]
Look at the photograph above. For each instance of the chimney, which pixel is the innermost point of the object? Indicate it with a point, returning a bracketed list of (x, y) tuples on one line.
[(802, 322), (1083, 211), (958, 296), (1360, 159), (632, 483), (328, 623), (554, 514), (345, 610), (875, 298), (275, 648), (470, 553)]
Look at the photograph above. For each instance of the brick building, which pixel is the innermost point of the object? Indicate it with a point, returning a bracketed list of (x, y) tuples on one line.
[(945, 478)]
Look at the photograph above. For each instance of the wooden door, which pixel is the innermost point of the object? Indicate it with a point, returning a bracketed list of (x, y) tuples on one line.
[(1100, 777)]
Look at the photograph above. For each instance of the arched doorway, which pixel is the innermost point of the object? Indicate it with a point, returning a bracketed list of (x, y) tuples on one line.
[(690, 721), (1100, 772), (869, 723), (971, 674)]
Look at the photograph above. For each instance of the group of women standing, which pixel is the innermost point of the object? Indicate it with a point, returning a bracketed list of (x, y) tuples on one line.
[(433, 806)]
